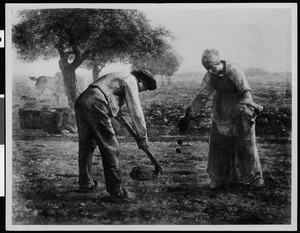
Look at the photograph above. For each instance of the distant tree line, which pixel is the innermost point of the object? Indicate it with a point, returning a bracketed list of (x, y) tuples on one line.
[(255, 71), (259, 71)]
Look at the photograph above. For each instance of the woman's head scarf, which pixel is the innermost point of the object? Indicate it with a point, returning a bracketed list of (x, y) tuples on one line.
[(210, 57)]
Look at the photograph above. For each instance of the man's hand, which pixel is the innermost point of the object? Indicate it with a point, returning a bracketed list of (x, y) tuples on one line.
[(184, 124), (142, 143)]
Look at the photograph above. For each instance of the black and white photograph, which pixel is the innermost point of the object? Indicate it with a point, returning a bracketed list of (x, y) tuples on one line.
[(166, 116)]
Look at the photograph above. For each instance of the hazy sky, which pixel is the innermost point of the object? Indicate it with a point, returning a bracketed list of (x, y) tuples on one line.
[(257, 36)]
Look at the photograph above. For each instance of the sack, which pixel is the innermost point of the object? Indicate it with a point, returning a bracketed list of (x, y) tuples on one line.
[(244, 117)]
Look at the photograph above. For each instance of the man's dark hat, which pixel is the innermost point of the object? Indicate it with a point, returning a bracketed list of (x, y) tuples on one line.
[(147, 76)]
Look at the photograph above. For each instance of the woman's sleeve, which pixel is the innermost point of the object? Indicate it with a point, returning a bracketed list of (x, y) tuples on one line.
[(238, 76), (201, 99)]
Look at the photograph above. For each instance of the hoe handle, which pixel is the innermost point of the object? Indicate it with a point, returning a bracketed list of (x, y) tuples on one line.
[(121, 119)]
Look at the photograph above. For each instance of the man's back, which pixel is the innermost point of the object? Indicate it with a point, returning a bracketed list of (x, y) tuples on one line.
[(114, 86)]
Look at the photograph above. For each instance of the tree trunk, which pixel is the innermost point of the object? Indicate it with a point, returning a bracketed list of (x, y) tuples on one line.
[(95, 71), (70, 82)]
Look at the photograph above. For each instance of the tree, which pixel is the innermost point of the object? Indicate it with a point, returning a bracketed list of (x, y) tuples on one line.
[(85, 34), (166, 64), (98, 61)]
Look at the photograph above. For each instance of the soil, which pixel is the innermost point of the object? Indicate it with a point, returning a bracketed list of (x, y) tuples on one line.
[(45, 171), (45, 189)]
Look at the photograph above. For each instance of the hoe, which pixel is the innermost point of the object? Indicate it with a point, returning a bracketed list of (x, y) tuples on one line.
[(141, 173)]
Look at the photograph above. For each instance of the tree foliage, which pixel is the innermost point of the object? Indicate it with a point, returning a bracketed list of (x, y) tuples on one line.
[(85, 34), (97, 61), (166, 64)]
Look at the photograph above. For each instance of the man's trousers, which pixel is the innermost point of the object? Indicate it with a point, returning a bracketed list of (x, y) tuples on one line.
[(95, 128)]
